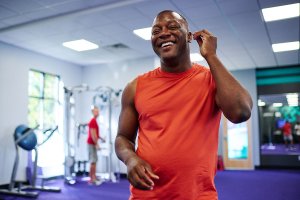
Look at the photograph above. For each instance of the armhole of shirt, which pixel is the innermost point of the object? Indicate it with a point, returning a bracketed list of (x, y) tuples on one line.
[(213, 82), (92, 123), (214, 88), (136, 90)]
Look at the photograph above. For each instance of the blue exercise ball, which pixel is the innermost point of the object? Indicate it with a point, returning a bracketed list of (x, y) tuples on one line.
[(30, 141)]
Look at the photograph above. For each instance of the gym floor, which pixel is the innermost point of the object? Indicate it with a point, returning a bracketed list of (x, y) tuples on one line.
[(231, 185)]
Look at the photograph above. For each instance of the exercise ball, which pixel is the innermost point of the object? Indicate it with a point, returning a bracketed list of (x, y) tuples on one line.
[(27, 143)]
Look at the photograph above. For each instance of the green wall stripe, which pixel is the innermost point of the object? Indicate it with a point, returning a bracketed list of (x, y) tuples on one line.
[(278, 72), (278, 80)]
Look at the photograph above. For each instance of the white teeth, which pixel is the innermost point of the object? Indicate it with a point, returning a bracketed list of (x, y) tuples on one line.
[(166, 44)]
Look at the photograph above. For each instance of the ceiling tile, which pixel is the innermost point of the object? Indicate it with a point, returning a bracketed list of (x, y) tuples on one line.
[(211, 23), (238, 6), (17, 35), (284, 30), (111, 29), (15, 20), (239, 55), (124, 13), (49, 3), (69, 6), (202, 12), (244, 19), (153, 7), (39, 14), (287, 58), (273, 3), (137, 23), (226, 61), (2, 25), (21, 7), (263, 56), (5, 13), (93, 19), (189, 4)]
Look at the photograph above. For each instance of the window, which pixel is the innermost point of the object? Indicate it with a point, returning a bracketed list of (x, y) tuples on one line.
[(45, 109)]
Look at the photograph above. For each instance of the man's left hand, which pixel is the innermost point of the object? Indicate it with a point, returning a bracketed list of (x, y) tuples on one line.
[(207, 43)]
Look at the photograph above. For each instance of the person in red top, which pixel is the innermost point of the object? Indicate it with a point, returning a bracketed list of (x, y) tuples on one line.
[(93, 146), (287, 134), (175, 111)]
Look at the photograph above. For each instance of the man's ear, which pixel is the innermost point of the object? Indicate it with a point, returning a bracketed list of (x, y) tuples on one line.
[(190, 37)]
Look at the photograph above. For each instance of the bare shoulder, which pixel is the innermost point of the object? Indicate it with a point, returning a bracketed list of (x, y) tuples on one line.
[(129, 92), (132, 84)]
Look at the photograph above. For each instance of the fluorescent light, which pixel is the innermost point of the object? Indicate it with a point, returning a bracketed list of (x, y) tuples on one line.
[(80, 45), (196, 57), (287, 46), (292, 99), (281, 12), (261, 103), (277, 114), (277, 104), (292, 95), (144, 33), (293, 104)]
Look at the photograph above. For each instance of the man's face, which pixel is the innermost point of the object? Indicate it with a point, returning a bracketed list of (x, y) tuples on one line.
[(170, 36), (95, 112)]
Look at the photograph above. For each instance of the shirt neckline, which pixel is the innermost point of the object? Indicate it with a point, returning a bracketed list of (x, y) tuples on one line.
[(177, 74)]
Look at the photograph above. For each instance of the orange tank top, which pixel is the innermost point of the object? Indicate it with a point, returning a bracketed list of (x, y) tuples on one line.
[(178, 133)]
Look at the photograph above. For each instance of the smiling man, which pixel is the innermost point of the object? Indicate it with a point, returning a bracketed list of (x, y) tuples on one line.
[(175, 110)]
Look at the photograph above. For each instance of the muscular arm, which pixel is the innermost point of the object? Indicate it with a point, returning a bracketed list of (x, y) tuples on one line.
[(94, 135), (128, 124), (139, 172), (231, 97)]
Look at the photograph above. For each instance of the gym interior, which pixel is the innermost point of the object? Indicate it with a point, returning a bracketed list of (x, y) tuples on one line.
[(47, 90)]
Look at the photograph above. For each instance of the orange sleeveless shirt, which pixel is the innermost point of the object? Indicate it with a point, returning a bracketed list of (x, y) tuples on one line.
[(178, 133)]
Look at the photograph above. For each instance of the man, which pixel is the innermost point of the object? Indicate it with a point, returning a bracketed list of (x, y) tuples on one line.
[(297, 130), (93, 146), (287, 135), (176, 110)]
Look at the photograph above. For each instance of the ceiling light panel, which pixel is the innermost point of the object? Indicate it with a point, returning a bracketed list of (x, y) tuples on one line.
[(287, 46), (281, 12), (144, 33), (80, 45)]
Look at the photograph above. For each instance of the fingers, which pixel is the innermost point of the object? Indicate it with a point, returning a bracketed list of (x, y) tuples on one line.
[(141, 177), (151, 174), (207, 42), (207, 32), (148, 176), (200, 35), (140, 183)]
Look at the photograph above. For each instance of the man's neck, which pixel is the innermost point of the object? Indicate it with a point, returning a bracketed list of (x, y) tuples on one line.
[(173, 66)]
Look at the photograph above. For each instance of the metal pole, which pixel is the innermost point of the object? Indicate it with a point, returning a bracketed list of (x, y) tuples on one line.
[(110, 139), (14, 172), (34, 175)]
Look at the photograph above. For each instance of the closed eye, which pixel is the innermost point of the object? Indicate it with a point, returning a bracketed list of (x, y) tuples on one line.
[(173, 27), (155, 31)]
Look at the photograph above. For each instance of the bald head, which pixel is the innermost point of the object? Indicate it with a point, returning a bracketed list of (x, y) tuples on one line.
[(95, 111), (175, 14)]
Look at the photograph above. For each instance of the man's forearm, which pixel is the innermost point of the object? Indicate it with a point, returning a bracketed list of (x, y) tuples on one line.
[(124, 148), (94, 136), (232, 98)]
